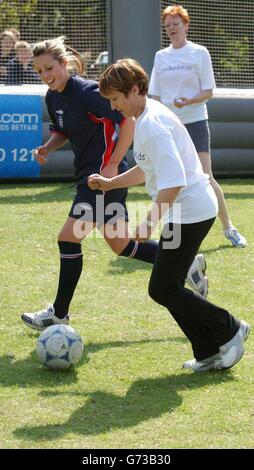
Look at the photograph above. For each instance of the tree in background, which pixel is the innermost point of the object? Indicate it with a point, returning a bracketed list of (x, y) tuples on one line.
[(226, 28), (83, 22)]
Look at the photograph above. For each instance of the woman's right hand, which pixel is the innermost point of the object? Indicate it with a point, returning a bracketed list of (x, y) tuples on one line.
[(41, 154)]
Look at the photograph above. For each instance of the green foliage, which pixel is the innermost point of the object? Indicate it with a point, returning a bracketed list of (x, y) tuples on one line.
[(236, 51), (13, 12), (129, 390), (225, 28), (41, 19)]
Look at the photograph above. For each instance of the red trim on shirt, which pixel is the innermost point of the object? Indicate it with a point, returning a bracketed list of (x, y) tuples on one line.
[(122, 122), (109, 131)]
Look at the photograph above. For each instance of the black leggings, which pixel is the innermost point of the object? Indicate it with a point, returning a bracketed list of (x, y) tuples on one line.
[(206, 325)]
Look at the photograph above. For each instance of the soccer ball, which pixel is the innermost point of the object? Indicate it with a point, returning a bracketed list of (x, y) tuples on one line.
[(59, 347)]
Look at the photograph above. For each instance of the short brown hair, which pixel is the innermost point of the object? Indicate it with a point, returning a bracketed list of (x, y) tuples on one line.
[(121, 76), (176, 10)]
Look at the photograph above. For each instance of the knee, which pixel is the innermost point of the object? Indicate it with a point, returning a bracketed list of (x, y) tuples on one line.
[(116, 250), (62, 237), (123, 247), (163, 293), (155, 291)]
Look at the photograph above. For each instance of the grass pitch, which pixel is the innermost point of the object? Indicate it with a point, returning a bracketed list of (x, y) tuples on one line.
[(129, 390)]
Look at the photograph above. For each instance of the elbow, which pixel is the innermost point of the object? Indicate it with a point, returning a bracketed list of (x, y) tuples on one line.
[(206, 94)]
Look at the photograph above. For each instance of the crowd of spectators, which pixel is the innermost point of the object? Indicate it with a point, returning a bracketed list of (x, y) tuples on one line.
[(16, 66)]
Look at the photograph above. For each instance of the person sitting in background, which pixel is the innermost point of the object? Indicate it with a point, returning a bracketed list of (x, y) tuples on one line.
[(183, 80), (7, 43), (20, 69)]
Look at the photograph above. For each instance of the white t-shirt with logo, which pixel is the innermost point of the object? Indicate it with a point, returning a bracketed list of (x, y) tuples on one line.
[(164, 151), (182, 72)]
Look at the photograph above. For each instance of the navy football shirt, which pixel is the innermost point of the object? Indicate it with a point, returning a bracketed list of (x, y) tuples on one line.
[(86, 119)]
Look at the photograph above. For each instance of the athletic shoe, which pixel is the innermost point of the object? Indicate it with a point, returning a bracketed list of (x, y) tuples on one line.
[(235, 237), (210, 363), (43, 319), (196, 278), (233, 350), (230, 353)]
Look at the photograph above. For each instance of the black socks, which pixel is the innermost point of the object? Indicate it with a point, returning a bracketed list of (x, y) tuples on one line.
[(71, 263), (143, 251)]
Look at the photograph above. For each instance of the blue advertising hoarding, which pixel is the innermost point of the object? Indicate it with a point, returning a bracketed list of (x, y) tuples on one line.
[(20, 134)]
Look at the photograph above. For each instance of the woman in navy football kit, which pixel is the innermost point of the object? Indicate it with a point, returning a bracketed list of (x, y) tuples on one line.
[(79, 113)]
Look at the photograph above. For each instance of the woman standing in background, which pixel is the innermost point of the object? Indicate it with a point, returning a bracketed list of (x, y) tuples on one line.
[(182, 79)]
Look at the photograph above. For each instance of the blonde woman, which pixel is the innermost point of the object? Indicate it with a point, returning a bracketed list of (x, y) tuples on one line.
[(81, 115)]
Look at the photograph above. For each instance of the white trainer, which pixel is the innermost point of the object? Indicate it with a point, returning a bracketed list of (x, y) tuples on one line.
[(210, 363), (237, 240), (233, 350), (196, 278), (229, 355), (44, 318)]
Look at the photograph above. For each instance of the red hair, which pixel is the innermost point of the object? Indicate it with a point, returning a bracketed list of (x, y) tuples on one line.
[(176, 10)]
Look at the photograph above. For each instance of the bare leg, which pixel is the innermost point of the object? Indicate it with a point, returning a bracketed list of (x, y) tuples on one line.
[(117, 236), (75, 230), (230, 231), (205, 159)]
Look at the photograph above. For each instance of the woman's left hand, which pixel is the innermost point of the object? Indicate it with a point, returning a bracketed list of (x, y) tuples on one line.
[(181, 101), (110, 170)]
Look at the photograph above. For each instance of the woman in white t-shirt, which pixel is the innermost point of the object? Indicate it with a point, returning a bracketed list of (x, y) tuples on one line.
[(169, 165), (182, 78)]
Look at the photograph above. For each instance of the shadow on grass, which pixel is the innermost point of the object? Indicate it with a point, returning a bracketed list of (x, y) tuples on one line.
[(239, 196), (218, 248), (55, 192), (120, 266), (230, 194), (126, 265), (105, 412), (64, 191), (50, 192), (29, 372)]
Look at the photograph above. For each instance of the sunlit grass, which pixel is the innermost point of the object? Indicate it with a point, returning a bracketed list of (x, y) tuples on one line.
[(129, 390)]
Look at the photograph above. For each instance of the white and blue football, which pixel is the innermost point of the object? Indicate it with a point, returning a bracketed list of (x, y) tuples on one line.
[(59, 347)]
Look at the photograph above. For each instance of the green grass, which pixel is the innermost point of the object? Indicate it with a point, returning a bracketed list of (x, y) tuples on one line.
[(129, 391)]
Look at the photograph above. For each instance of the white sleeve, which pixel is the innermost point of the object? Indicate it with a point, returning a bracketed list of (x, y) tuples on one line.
[(207, 80), (154, 84), (167, 164)]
